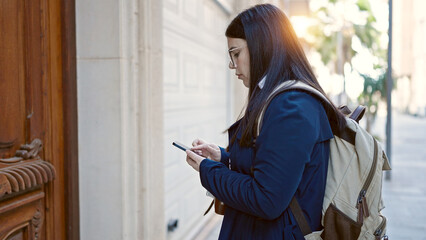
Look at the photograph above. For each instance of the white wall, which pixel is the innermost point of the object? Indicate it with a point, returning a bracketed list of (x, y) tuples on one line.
[(99, 121), (196, 101), (119, 78)]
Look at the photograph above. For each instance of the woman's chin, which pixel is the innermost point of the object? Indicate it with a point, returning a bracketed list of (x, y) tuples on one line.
[(246, 84)]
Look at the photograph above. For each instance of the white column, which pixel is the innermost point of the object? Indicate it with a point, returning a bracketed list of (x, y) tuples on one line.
[(99, 119), (151, 179)]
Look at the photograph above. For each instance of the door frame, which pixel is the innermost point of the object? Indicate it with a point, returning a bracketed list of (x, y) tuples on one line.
[(70, 117)]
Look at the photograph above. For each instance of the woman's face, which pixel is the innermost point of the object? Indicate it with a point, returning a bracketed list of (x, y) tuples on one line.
[(240, 59)]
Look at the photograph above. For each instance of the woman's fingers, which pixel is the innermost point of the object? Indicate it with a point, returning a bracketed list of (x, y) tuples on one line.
[(199, 152), (197, 142), (213, 148), (194, 156), (202, 149), (208, 150), (193, 160), (190, 161), (206, 147), (199, 148)]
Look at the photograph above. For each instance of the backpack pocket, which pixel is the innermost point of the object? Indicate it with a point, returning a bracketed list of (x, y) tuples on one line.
[(339, 226)]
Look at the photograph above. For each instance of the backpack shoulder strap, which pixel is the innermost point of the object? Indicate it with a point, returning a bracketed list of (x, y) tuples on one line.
[(358, 113), (347, 134), (300, 218)]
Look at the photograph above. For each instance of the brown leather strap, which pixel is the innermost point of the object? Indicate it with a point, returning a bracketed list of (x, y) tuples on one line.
[(300, 218), (358, 113), (347, 134), (210, 207), (344, 109)]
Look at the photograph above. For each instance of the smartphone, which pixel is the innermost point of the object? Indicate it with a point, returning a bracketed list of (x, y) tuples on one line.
[(181, 146)]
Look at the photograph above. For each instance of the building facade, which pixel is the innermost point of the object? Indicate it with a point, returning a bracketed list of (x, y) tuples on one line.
[(409, 56)]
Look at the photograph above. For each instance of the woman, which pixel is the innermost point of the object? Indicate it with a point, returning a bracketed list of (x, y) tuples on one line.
[(259, 174)]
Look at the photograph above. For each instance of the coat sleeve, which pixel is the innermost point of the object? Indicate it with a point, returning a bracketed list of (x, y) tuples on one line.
[(224, 156), (283, 147)]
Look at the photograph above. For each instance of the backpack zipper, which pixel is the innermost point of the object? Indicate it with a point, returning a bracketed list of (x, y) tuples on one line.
[(362, 206), (379, 230)]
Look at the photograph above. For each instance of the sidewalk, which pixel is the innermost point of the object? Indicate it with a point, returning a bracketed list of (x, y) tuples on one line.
[(405, 194)]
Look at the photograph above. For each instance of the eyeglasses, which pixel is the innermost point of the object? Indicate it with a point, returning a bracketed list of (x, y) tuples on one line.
[(232, 62)]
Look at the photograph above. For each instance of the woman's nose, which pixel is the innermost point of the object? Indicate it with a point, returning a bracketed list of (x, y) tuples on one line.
[(231, 66)]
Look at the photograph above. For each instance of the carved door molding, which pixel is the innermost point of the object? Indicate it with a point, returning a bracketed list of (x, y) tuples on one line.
[(24, 171)]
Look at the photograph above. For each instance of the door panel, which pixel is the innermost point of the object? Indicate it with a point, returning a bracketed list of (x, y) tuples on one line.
[(12, 92), (33, 184), (27, 223), (22, 65)]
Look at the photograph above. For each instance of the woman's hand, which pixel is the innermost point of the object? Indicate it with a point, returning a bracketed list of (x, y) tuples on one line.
[(194, 159), (207, 150)]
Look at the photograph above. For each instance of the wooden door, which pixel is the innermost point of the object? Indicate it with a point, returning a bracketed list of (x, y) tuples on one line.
[(38, 198)]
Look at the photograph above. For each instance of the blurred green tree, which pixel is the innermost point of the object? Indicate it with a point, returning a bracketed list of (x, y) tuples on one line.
[(338, 24)]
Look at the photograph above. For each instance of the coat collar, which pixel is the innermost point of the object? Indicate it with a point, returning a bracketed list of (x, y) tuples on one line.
[(262, 82)]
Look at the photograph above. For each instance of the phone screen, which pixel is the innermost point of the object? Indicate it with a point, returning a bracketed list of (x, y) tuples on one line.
[(181, 146)]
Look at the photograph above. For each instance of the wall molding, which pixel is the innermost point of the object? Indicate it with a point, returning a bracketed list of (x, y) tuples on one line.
[(151, 223)]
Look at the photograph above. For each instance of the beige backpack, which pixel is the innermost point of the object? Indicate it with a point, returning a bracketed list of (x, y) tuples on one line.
[(353, 199)]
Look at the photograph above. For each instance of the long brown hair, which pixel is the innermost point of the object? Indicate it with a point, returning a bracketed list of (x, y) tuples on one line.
[(275, 52)]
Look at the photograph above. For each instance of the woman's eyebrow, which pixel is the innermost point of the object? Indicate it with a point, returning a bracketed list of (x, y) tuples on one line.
[(231, 48)]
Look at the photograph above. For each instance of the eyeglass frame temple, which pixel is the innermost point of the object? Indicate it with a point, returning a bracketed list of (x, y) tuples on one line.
[(230, 56)]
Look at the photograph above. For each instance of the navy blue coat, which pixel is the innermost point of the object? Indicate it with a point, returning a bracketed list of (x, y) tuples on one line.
[(290, 157)]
